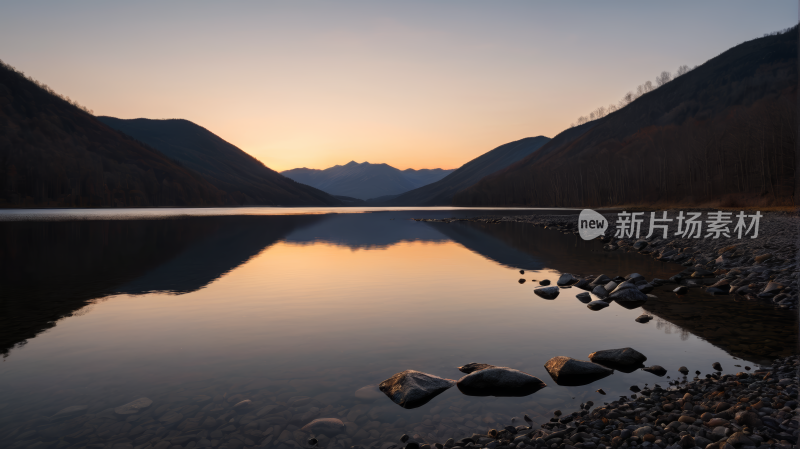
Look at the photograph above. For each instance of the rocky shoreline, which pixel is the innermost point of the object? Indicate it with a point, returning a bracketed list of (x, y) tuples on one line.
[(762, 269), (731, 411)]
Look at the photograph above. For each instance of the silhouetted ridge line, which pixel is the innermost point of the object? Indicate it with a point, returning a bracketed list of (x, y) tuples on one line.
[(248, 180), (724, 133), (441, 193)]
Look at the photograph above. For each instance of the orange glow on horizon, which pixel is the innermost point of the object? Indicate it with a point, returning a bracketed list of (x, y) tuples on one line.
[(411, 84)]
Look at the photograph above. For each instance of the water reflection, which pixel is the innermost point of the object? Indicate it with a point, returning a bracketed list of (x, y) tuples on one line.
[(304, 315), (49, 270)]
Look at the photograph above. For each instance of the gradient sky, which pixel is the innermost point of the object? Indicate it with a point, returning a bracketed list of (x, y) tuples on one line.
[(415, 84)]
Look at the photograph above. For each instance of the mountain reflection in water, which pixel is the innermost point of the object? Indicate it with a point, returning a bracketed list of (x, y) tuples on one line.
[(51, 269)]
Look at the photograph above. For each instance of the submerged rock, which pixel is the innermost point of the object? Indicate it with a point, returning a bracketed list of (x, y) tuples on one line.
[(643, 318), (411, 389), (547, 292), (69, 412), (133, 406), (499, 381), (243, 405), (568, 371), (544, 282), (658, 370), (472, 367), (327, 426), (369, 393)]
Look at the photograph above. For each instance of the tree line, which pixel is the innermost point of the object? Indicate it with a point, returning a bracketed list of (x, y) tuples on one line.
[(662, 78)]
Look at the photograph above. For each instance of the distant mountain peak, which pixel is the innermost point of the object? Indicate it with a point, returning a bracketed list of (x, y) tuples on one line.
[(365, 180)]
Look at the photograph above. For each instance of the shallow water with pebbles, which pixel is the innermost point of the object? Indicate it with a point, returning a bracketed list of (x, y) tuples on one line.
[(240, 331)]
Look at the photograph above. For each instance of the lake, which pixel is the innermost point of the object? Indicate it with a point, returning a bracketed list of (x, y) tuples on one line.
[(298, 309)]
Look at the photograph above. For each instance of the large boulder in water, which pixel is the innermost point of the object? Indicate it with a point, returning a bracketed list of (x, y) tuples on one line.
[(571, 372), (472, 367), (411, 389), (499, 381), (623, 359)]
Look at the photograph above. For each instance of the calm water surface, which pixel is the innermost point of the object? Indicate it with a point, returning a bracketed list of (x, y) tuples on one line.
[(198, 311)]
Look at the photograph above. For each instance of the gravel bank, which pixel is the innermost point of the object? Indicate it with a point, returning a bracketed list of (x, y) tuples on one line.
[(732, 411)]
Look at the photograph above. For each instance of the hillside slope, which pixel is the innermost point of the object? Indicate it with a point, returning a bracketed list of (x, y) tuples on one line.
[(365, 180), (725, 132), (224, 165), (54, 154), (441, 193)]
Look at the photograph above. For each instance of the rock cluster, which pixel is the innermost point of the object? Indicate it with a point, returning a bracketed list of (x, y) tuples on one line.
[(756, 269)]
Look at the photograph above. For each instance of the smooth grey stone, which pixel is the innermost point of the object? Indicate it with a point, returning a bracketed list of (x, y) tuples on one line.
[(500, 382)]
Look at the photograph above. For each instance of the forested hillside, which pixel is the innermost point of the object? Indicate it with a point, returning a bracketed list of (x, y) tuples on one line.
[(724, 133), (441, 193), (245, 178), (54, 153)]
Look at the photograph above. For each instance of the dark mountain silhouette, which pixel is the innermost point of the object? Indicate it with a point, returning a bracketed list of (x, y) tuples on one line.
[(365, 181), (725, 131), (222, 164), (54, 153), (441, 193)]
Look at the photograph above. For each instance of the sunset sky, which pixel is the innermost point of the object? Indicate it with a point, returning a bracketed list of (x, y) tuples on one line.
[(415, 84)]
